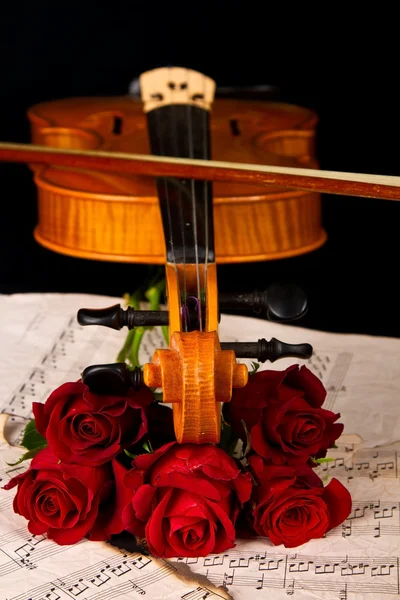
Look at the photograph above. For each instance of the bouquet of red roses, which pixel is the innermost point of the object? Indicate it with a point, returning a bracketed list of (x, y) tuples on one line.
[(105, 465)]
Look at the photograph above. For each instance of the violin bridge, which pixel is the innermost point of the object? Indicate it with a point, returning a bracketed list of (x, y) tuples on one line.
[(175, 85)]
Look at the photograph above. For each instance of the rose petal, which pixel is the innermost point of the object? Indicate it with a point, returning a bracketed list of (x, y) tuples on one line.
[(200, 486), (263, 448), (41, 418), (313, 388), (225, 532), (338, 501), (111, 521), (156, 541), (142, 502)]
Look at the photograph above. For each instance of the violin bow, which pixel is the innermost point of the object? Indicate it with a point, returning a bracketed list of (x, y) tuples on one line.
[(384, 187)]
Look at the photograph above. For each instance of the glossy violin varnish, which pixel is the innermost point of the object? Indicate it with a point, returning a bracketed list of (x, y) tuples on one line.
[(111, 216)]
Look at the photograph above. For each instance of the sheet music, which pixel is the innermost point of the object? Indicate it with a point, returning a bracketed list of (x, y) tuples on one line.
[(43, 346)]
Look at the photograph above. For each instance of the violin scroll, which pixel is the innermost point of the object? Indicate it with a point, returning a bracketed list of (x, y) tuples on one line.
[(196, 375)]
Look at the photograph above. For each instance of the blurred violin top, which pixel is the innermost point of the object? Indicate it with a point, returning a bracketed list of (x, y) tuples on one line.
[(88, 212)]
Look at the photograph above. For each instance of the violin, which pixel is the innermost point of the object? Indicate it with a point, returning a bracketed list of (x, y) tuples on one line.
[(197, 372)]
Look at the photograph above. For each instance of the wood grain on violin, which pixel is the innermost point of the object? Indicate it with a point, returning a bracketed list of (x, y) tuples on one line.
[(87, 222), (91, 212)]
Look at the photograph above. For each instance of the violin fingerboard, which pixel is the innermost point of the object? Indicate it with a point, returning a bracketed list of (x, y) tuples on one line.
[(183, 131)]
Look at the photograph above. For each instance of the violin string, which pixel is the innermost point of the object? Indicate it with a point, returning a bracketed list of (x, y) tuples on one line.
[(175, 140), (205, 188), (162, 151), (193, 189)]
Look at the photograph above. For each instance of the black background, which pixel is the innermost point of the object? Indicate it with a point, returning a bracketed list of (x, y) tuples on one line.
[(343, 66)]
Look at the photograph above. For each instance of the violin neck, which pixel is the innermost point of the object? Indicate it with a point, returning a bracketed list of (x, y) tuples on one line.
[(183, 130), (177, 102)]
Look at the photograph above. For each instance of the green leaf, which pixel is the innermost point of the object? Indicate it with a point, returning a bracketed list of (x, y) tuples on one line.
[(123, 353), (152, 289), (165, 332), (255, 367), (130, 455), (320, 461), (248, 439), (133, 354), (32, 438), (27, 455), (147, 446)]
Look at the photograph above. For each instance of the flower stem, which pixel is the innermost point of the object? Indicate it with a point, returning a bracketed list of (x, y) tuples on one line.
[(129, 352), (123, 353), (135, 347)]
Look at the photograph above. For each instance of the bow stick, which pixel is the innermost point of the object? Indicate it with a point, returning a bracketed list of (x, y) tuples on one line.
[(383, 187)]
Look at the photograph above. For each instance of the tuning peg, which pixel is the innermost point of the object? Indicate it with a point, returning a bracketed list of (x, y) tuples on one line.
[(113, 378), (264, 350), (279, 302), (116, 317)]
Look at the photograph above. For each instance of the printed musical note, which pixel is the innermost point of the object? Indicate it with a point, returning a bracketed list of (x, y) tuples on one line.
[(70, 349), (335, 383), (201, 593), (100, 579), (270, 565), (121, 569), (52, 595), (290, 587), (299, 566), (141, 562), (369, 463), (78, 588), (329, 567), (228, 578), (215, 560), (260, 583), (346, 529)]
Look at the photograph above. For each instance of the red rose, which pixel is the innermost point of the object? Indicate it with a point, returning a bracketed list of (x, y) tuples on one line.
[(68, 503), (185, 499), (90, 429), (282, 410), (292, 506)]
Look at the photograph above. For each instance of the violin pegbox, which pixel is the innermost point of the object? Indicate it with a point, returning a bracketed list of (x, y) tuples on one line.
[(195, 374), (176, 85)]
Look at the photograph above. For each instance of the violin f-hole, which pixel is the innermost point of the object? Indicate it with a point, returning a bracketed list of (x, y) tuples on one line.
[(117, 125), (234, 125)]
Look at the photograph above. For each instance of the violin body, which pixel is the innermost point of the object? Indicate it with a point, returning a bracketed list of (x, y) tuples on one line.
[(116, 217)]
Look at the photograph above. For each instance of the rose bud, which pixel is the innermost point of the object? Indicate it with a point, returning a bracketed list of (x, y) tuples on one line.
[(292, 506), (90, 429), (282, 410), (185, 499), (68, 503)]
